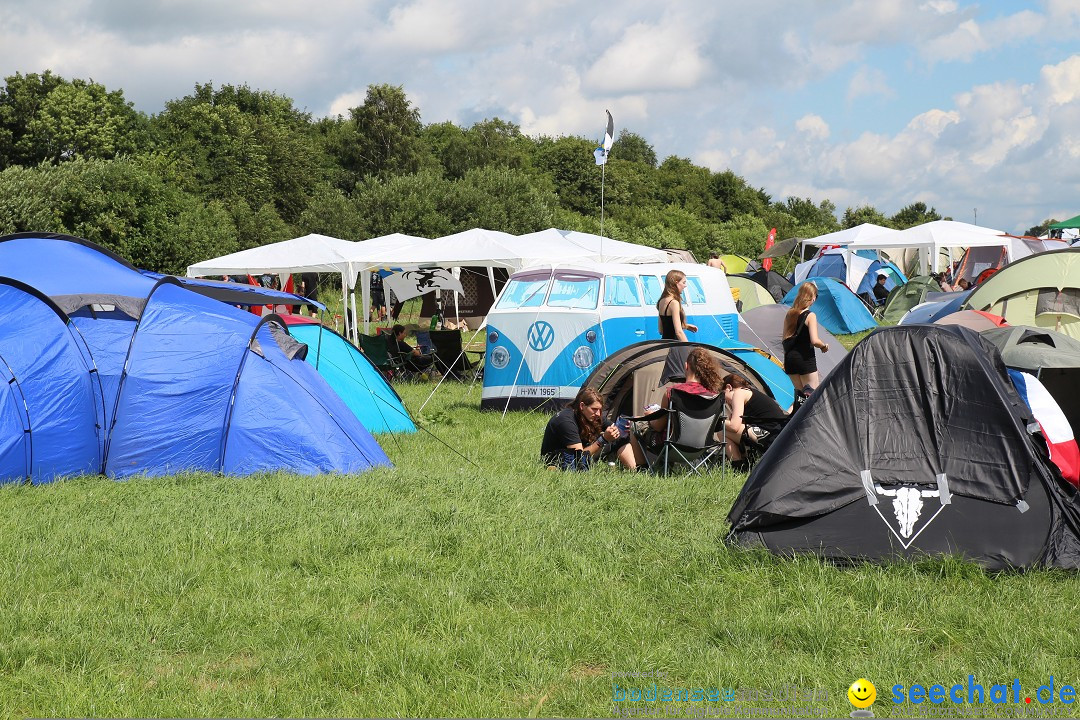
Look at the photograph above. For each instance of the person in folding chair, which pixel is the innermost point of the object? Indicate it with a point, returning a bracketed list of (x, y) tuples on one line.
[(753, 421), (573, 439), (698, 403), (414, 360)]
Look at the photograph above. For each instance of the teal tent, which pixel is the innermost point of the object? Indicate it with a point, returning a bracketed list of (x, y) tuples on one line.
[(352, 376)]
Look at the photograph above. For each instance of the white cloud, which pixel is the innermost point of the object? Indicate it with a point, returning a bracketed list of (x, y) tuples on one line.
[(648, 57), (1062, 81), (970, 38), (427, 26), (1009, 149), (813, 126)]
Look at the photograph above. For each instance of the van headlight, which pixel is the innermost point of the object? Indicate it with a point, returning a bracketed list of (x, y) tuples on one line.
[(500, 357), (583, 357)]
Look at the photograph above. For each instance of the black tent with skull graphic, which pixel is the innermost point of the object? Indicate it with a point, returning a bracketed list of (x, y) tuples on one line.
[(916, 444)]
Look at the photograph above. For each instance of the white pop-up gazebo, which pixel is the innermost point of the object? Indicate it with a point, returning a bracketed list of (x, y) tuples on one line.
[(937, 238), (477, 247), (493, 249), (310, 253)]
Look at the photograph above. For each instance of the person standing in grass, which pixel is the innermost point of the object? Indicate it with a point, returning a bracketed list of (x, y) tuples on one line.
[(573, 439), (800, 339)]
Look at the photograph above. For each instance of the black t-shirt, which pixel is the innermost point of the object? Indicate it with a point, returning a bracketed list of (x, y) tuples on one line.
[(560, 433), (880, 292), (399, 347)]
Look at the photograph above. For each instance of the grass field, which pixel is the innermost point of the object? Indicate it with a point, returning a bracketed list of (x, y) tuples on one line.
[(480, 585)]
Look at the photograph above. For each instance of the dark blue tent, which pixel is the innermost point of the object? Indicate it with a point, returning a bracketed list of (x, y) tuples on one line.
[(50, 409), (187, 382), (836, 307)]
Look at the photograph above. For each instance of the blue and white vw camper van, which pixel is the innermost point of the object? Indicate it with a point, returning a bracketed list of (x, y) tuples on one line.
[(551, 325)]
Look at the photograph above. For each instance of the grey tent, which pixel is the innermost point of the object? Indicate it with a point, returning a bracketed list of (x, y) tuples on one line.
[(764, 327), (637, 375), (917, 444)]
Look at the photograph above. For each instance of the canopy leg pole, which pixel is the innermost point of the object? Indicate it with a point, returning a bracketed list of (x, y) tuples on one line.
[(347, 331)]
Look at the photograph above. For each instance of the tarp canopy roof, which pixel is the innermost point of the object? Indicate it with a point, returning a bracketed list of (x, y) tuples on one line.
[(1073, 222)]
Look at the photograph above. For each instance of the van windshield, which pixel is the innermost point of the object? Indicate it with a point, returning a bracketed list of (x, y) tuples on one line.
[(527, 291), (581, 292)]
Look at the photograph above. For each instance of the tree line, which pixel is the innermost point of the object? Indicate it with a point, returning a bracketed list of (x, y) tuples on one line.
[(230, 168)]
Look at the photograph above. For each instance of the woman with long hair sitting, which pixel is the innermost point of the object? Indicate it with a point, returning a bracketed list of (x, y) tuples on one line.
[(800, 338), (753, 420), (702, 378), (573, 438)]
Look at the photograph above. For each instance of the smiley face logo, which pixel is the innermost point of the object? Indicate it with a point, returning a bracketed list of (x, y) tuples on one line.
[(862, 693)]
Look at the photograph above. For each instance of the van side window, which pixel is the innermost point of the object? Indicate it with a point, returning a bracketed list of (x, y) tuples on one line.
[(621, 290), (695, 292), (653, 288)]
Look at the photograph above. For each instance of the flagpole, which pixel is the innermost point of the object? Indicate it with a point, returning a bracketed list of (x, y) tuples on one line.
[(603, 172)]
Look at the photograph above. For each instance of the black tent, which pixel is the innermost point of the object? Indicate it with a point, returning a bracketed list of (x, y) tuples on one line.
[(777, 285), (917, 444)]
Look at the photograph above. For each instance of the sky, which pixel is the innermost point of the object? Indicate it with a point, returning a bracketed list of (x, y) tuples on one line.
[(970, 107)]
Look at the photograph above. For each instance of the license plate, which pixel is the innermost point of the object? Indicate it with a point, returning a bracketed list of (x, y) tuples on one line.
[(537, 391)]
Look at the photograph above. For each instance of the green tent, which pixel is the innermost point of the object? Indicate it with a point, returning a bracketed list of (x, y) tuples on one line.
[(736, 263), (750, 294), (1041, 290), (1067, 224), (906, 296)]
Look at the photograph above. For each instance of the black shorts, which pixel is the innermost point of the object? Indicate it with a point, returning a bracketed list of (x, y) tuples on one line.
[(796, 364)]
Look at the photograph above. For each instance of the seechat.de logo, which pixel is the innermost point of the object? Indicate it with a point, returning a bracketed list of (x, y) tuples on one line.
[(541, 335)]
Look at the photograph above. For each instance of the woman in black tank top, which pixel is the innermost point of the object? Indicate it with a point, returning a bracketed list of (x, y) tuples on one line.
[(800, 339), (672, 320)]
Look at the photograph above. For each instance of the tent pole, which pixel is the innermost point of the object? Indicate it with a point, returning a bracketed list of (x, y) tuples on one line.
[(365, 299), (491, 279), (356, 318)]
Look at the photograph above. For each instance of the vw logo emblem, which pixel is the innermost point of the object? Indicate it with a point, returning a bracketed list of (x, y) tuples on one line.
[(541, 335)]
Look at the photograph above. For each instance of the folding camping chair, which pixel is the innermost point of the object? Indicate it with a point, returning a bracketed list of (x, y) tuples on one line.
[(692, 424), (450, 357), (378, 352)]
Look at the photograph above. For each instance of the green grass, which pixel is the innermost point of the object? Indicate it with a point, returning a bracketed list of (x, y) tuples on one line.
[(483, 586)]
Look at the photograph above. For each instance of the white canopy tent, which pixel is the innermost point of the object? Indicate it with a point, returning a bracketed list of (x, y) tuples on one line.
[(476, 247), (935, 239), (493, 249), (310, 253)]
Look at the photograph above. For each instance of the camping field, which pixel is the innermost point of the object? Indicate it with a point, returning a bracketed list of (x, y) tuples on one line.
[(468, 581)]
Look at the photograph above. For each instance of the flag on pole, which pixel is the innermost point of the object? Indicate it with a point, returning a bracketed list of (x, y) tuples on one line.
[(601, 152), (769, 241)]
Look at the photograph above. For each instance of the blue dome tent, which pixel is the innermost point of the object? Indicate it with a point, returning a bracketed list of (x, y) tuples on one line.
[(50, 400), (836, 307), (187, 382)]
